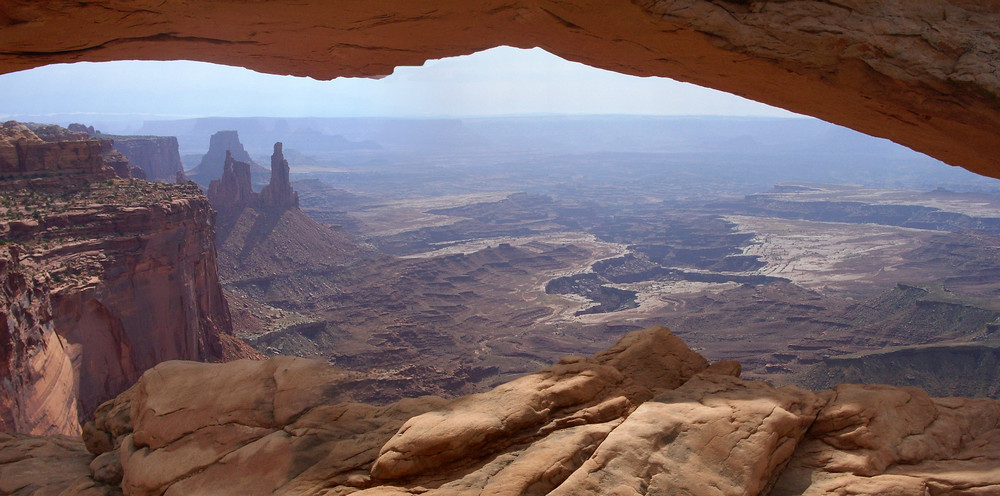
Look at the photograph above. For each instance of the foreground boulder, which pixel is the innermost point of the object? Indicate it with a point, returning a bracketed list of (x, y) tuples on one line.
[(648, 416)]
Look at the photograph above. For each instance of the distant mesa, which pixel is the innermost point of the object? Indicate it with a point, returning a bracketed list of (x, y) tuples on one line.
[(232, 191), (153, 158), (220, 145), (49, 151), (158, 156)]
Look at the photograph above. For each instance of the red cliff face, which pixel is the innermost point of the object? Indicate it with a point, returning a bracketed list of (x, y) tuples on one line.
[(158, 156), (103, 279), (36, 373), (921, 73), (24, 153)]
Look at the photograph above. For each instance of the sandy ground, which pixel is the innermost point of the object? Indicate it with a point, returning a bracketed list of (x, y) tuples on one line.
[(968, 204), (827, 255), (386, 219)]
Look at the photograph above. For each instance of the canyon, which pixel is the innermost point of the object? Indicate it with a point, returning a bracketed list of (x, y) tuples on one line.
[(619, 420), (470, 294), (447, 328), (104, 278), (922, 75)]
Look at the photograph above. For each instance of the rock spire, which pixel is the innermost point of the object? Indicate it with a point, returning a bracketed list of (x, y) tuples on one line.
[(232, 191), (279, 193)]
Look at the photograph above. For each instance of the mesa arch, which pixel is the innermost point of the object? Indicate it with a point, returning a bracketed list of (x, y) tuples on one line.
[(923, 73)]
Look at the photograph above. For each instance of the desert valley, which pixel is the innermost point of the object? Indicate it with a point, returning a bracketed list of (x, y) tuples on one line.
[(516, 304)]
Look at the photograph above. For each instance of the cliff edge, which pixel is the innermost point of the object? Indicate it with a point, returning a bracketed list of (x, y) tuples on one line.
[(102, 279)]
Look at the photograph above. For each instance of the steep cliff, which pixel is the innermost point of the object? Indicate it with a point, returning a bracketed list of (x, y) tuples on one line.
[(647, 416), (36, 371), (104, 278), (119, 162), (158, 156)]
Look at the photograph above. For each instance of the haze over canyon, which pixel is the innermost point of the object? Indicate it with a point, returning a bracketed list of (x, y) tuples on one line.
[(516, 304)]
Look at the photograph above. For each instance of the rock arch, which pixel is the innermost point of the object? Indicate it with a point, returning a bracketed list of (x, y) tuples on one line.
[(923, 73)]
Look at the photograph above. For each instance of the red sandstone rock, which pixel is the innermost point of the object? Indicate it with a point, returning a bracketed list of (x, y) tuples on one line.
[(281, 427), (36, 372), (920, 73), (116, 160), (158, 156), (279, 193), (262, 427), (97, 291), (54, 465), (897, 441), (715, 435), (22, 152), (232, 191)]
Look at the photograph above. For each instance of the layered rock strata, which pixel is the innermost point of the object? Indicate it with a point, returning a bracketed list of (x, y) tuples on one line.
[(158, 156), (648, 416), (102, 279), (26, 155), (923, 74), (119, 162)]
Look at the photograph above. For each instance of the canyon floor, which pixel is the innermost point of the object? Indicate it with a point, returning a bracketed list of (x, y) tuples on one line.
[(805, 284), (431, 284)]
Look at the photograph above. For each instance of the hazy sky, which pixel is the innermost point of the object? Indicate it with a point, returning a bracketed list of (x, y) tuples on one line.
[(500, 81)]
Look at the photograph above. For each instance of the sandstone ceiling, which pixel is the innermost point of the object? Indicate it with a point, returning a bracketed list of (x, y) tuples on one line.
[(923, 73)]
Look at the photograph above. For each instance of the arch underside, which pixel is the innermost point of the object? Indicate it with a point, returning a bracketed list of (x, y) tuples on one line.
[(922, 73)]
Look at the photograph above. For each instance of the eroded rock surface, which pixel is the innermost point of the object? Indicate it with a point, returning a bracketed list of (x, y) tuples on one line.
[(587, 425), (923, 73), (54, 465), (102, 278), (232, 191), (263, 235), (897, 441), (278, 193), (158, 156)]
